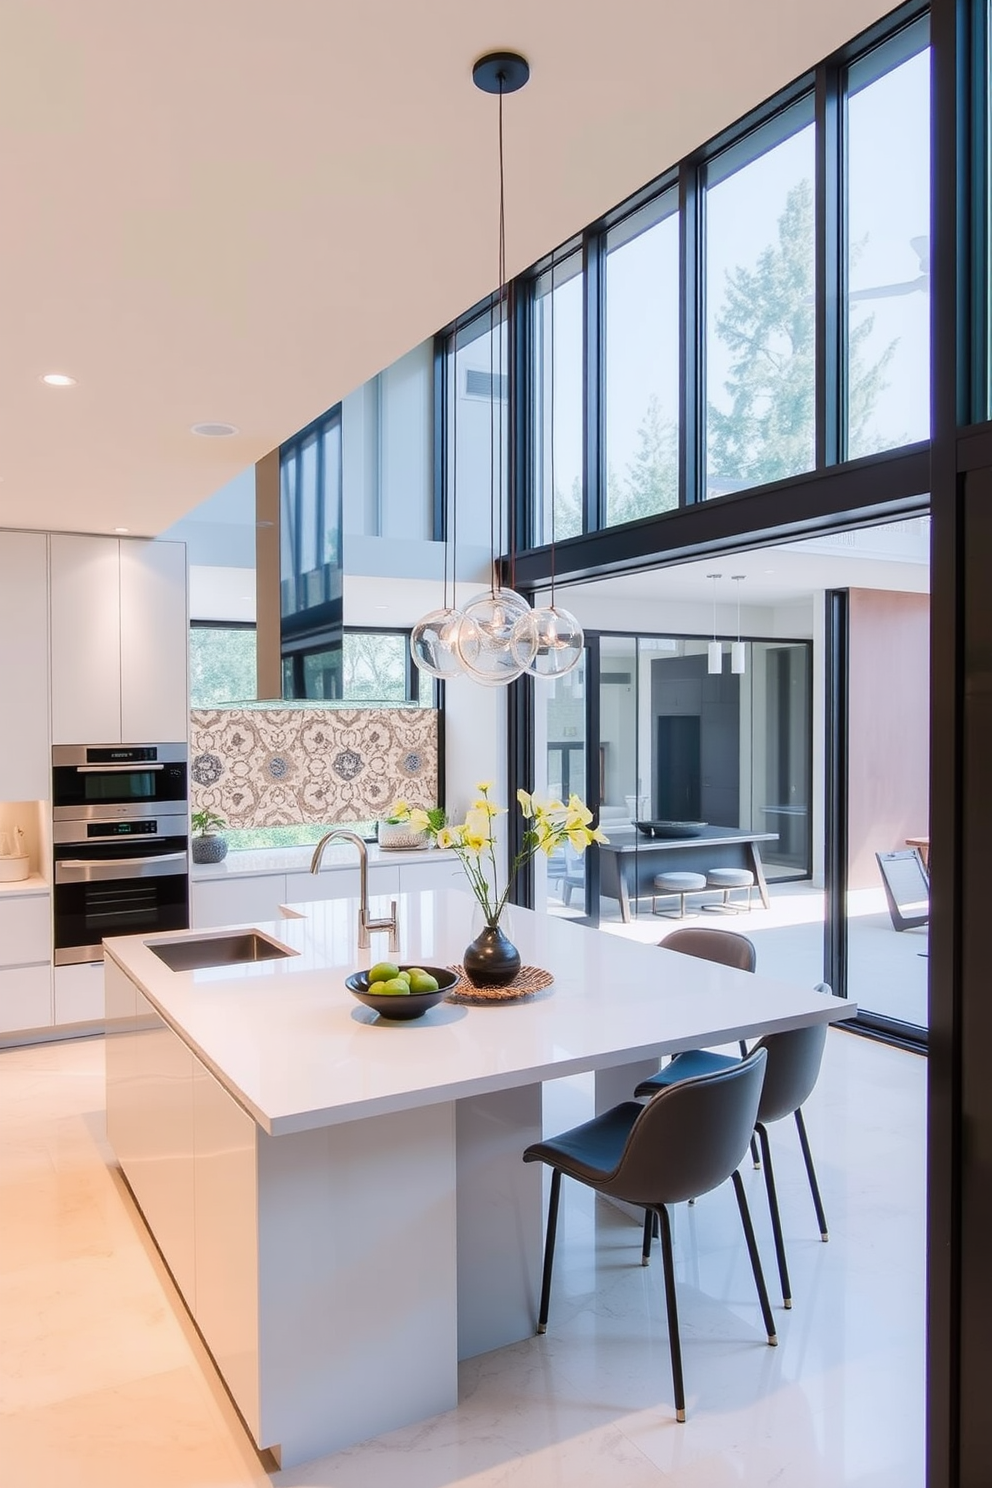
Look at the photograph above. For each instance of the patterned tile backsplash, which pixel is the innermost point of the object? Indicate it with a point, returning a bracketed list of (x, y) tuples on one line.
[(276, 767)]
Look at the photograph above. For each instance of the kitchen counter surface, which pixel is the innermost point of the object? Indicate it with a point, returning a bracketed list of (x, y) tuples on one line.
[(266, 860), (32, 885), (298, 1052)]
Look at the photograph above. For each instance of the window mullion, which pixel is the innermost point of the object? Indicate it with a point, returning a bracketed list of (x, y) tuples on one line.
[(593, 374), (692, 337), (831, 270)]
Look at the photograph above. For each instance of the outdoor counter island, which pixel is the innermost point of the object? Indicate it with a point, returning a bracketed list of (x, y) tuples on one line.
[(340, 1199)]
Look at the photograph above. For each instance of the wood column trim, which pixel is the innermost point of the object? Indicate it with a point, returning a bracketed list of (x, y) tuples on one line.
[(268, 675)]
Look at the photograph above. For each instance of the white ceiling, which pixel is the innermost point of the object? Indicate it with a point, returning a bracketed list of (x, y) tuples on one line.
[(240, 211), (892, 556)]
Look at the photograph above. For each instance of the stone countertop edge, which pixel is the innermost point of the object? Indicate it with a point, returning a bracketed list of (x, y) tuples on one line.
[(259, 861), (32, 886)]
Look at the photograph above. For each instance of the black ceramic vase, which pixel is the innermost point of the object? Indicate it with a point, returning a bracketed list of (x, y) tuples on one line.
[(491, 960)]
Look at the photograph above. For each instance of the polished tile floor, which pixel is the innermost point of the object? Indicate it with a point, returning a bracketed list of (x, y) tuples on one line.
[(105, 1383)]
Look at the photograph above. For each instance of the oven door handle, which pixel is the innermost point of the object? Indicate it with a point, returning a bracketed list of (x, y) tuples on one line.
[(80, 870), (134, 769)]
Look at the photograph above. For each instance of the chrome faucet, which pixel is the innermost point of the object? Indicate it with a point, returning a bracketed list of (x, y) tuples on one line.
[(365, 924)]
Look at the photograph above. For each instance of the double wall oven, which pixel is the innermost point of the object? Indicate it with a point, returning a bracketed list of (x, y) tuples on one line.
[(120, 843)]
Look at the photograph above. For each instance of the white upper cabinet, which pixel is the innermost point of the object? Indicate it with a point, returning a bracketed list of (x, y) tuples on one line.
[(154, 624), (86, 640), (24, 754), (119, 626)]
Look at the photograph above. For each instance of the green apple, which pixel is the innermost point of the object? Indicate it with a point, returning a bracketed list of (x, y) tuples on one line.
[(404, 976), (383, 971), (376, 987), (395, 987), (422, 981)]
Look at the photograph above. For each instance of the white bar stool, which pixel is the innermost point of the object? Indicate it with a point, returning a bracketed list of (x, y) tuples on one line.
[(680, 884), (727, 879)]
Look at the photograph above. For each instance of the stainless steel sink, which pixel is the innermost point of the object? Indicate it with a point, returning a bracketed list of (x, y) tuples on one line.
[(218, 950)]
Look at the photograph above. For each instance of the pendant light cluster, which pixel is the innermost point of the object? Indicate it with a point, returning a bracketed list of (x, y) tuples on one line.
[(738, 650), (496, 637)]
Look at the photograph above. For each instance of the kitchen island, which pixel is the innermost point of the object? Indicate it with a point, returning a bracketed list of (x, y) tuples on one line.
[(341, 1200)]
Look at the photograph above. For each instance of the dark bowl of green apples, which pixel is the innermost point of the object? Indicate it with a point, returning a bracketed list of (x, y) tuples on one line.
[(400, 992)]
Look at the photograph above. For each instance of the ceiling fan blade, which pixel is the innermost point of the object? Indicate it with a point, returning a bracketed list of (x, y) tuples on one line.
[(888, 291)]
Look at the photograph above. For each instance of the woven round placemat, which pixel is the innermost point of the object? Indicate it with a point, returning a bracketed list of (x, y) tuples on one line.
[(528, 980)]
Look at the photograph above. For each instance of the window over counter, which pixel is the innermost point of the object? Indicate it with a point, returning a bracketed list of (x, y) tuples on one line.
[(372, 667)]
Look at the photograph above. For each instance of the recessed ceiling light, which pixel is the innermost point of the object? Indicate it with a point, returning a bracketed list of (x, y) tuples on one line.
[(214, 431), (122, 529), (59, 379)]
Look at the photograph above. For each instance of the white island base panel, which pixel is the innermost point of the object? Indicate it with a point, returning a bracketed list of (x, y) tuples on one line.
[(342, 1201), (319, 1265)]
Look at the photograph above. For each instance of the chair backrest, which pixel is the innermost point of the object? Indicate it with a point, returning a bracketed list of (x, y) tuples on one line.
[(907, 887), (723, 946), (792, 1071), (691, 1136)]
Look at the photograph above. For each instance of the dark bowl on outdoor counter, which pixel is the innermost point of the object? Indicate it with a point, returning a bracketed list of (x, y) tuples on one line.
[(397, 1006), (670, 828)]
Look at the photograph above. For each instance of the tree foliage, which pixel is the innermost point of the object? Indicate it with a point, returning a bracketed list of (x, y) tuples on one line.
[(767, 322)]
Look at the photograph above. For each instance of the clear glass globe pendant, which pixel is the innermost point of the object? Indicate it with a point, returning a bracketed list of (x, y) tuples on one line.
[(433, 643), (552, 638), (483, 642)]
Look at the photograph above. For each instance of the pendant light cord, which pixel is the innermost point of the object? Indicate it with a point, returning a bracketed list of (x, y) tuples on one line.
[(552, 403), (502, 316)]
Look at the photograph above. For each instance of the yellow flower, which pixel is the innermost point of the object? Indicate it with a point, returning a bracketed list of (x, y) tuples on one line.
[(578, 810), (419, 820), (473, 843), (598, 835), (484, 786), (526, 801), (400, 809), (446, 837), (489, 808), (477, 823)]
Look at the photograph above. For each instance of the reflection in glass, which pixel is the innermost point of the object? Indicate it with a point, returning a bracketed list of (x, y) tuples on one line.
[(760, 279), (567, 430), (479, 416), (888, 248), (642, 364)]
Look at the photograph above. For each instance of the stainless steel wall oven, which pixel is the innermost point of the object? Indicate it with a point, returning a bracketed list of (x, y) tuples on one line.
[(120, 844)]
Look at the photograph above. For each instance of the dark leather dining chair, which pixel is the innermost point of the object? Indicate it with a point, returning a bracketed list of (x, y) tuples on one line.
[(688, 1139), (794, 1058), (726, 948)]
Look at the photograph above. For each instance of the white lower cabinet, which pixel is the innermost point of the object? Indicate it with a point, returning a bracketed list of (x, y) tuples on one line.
[(226, 1238), (340, 883), (187, 1150), (234, 901), (25, 963), (25, 998), (25, 930), (79, 993)]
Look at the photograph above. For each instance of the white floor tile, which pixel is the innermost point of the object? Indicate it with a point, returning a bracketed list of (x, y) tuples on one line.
[(105, 1383)]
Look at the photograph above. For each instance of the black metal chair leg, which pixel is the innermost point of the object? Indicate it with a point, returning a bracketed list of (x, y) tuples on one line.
[(783, 1269), (650, 1220), (752, 1250), (549, 1250), (756, 1160), (814, 1187), (673, 1313)]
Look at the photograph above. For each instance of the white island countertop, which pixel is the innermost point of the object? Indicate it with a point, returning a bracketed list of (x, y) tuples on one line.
[(298, 1052)]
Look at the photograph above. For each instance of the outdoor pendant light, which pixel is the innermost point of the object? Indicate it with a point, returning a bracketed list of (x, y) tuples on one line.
[(714, 652), (738, 649)]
